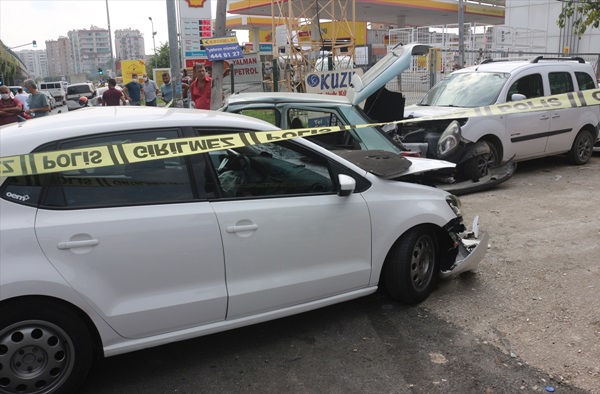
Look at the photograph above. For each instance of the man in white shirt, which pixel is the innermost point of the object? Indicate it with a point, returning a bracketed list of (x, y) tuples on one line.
[(150, 91), (22, 97)]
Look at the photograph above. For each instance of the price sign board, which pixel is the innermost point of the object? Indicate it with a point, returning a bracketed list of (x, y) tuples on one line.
[(222, 48)]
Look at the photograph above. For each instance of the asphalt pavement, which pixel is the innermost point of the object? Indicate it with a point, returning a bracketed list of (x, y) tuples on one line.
[(369, 345)]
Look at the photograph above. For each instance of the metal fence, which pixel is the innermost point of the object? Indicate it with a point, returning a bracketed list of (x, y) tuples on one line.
[(426, 71)]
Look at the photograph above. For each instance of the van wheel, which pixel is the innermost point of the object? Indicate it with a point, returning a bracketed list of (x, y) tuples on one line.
[(582, 148), (44, 348), (411, 267), (478, 166)]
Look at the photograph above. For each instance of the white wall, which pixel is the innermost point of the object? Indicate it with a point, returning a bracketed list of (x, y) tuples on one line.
[(542, 15)]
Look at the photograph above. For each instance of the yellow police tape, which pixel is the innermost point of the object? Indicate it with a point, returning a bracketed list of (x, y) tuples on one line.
[(115, 154)]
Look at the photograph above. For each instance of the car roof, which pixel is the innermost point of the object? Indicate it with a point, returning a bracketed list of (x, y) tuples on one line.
[(513, 65), (285, 97), (21, 138)]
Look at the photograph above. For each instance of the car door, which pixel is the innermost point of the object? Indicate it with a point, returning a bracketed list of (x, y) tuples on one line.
[(136, 241), (288, 237), (527, 132), (564, 122)]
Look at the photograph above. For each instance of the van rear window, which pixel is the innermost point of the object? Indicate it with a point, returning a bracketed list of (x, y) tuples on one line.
[(78, 89)]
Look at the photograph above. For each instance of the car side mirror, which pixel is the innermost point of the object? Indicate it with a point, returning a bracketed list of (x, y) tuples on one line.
[(347, 184), (517, 97)]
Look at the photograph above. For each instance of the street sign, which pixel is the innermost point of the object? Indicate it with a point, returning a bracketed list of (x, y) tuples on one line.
[(222, 48)]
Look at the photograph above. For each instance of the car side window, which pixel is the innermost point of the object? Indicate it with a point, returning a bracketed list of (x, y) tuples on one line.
[(156, 181), (530, 86), (24, 190), (271, 169), (560, 82), (584, 80), (300, 118), (267, 114)]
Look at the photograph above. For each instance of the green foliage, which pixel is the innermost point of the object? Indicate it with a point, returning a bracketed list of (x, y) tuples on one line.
[(163, 60), (582, 15), (9, 66)]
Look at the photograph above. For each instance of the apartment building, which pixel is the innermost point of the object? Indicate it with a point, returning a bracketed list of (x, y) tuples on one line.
[(35, 60), (91, 49), (129, 44), (60, 57)]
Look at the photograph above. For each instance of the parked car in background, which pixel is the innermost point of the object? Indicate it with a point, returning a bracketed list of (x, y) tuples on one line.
[(477, 143), (51, 99), (232, 237)]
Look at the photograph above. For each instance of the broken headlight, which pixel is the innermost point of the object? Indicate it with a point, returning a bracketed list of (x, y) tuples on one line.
[(455, 204), (449, 140)]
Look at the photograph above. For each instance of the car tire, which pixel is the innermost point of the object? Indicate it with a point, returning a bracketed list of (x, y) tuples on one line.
[(44, 348), (582, 149), (411, 267), (477, 167)]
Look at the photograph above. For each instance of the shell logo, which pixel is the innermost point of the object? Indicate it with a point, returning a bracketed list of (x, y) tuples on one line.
[(196, 3)]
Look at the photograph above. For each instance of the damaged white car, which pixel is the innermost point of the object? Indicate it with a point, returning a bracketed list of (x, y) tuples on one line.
[(96, 262)]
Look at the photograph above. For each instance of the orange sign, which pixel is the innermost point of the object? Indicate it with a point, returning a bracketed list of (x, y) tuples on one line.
[(196, 3)]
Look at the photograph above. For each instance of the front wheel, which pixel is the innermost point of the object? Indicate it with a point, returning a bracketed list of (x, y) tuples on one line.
[(410, 269), (477, 167), (44, 348), (582, 148)]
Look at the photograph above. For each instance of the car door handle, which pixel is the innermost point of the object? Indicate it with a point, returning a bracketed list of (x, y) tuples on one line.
[(239, 229), (555, 116), (77, 244), (544, 117)]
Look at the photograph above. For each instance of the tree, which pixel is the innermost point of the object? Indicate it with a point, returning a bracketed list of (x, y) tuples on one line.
[(163, 60), (581, 13)]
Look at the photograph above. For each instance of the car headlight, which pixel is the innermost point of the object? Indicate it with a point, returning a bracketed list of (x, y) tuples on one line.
[(449, 140), (455, 204)]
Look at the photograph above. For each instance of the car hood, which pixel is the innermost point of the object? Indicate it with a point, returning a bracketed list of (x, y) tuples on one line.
[(390, 165), (390, 66), (419, 111)]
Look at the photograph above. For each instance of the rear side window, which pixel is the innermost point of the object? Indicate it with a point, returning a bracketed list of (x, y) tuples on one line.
[(585, 81), (24, 190), (560, 82), (156, 181)]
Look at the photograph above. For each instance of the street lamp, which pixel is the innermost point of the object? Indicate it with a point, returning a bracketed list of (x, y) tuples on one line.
[(153, 42)]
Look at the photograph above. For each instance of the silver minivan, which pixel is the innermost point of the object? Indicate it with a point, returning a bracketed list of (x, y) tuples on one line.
[(76, 90)]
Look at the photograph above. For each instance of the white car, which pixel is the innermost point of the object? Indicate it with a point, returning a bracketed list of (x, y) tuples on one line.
[(477, 143), (101, 261)]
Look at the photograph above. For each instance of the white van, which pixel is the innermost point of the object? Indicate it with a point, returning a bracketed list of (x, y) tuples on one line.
[(58, 90), (76, 90)]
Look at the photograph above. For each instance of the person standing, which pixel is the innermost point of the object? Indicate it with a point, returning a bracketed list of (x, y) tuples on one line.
[(133, 91), (150, 91), (9, 107), (200, 88), (113, 96), (22, 97), (166, 88), (38, 101), (186, 80)]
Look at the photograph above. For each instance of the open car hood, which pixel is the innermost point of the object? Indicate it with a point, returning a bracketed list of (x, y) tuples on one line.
[(390, 165), (390, 66)]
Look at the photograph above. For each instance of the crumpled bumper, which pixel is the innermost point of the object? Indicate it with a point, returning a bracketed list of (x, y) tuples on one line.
[(495, 176), (472, 247)]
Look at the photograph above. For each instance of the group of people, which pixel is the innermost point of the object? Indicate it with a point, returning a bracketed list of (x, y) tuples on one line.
[(196, 90), (24, 105)]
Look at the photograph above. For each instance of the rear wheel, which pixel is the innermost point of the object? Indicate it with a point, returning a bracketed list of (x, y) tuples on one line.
[(410, 270), (582, 148), (44, 348)]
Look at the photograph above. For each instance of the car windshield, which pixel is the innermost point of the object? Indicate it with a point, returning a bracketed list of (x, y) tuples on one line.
[(474, 89)]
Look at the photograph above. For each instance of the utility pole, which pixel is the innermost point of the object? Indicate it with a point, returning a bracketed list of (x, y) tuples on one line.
[(153, 42), (112, 58), (216, 97), (174, 54), (461, 34)]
